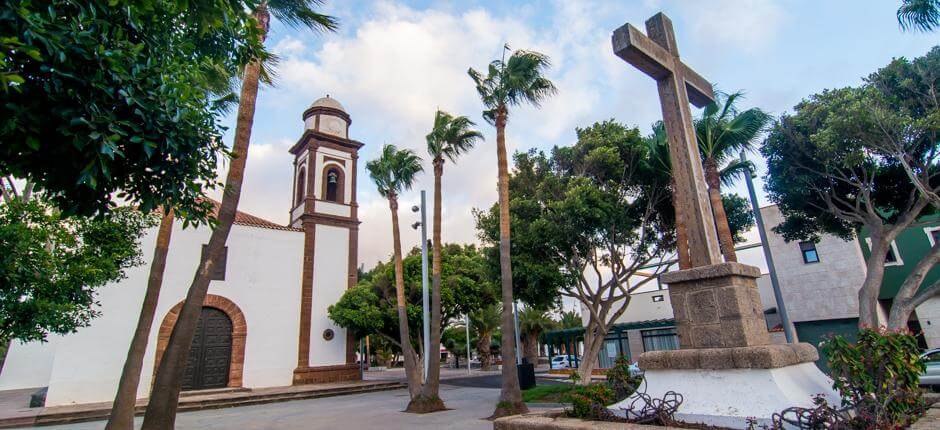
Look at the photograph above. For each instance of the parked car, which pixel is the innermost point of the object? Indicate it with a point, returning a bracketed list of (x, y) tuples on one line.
[(931, 376), (562, 362)]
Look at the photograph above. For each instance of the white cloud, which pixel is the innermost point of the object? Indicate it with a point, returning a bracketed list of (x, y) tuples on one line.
[(750, 26)]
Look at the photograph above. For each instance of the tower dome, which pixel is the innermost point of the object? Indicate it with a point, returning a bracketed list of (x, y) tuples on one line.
[(326, 115), (328, 102)]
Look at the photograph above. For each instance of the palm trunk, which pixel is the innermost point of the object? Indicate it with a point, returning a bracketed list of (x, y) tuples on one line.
[(725, 239), (510, 396), (122, 411), (411, 374), (483, 349), (430, 392), (531, 347), (682, 234), (164, 398)]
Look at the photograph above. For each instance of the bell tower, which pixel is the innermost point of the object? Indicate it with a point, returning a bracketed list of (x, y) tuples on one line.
[(323, 204)]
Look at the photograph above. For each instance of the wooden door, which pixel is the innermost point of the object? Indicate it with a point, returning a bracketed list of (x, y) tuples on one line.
[(210, 353)]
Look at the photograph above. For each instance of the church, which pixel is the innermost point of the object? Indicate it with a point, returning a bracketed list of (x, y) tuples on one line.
[(264, 322)]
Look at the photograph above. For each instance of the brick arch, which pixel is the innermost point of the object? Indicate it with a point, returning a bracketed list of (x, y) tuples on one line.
[(239, 333)]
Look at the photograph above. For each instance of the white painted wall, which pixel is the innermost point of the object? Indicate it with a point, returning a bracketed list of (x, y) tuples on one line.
[(263, 278), (331, 208), (29, 365), (330, 278), (928, 313)]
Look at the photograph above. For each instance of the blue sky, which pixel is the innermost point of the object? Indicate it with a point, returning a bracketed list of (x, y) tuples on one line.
[(393, 63)]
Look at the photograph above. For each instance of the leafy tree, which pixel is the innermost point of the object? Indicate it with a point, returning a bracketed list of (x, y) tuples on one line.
[(52, 265), (569, 319), (508, 84), (161, 409), (104, 99), (722, 133), (485, 326), (450, 137), (863, 158), (454, 338), (923, 15), (601, 211), (370, 308)]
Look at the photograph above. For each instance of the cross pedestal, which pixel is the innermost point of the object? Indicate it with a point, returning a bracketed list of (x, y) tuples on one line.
[(727, 369)]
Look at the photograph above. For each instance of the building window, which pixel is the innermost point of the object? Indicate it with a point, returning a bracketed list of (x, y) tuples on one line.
[(660, 339), (809, 252), (218, 272), (333, 185), (301, 186), (933, 235), (893, 257)]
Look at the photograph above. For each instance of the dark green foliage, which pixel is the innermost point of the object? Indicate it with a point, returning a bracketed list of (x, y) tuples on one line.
[(103, 99), (834, 164), (585, 402), (740, 217), (621, 382), (370, 307), (51, 265), (878, 374)]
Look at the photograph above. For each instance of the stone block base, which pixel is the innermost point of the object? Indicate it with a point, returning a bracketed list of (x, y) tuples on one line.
[(323, 374), (728, 397), (746, 357)]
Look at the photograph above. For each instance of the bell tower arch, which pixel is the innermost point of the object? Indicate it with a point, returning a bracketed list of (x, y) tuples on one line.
[(324, 206)]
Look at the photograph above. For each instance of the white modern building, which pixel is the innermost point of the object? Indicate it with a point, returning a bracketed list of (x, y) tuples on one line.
[(264, 322)]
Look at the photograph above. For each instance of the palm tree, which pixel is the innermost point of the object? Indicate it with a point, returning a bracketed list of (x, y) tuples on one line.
[(509, 83), (722, 134), (484, 322), (923, 15), (393, 172), (122, 411), (161, 410), (660, 162), (450, 137), (532, 323)]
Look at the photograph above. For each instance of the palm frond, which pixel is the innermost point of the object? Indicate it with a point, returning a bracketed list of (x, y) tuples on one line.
[(922, 15), (302, 13), (734, 170)]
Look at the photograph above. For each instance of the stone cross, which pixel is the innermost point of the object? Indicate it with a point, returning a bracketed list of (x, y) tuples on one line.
[(658, 57)]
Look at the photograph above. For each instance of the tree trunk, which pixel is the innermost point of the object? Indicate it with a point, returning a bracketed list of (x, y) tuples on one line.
[(510, 396), (122, 411), (411, 374), (531, 347), (904, 301), (164, 397), (682, 234), (725, 239), (430, 392), (592, 346), (483, 349), (871, 286)]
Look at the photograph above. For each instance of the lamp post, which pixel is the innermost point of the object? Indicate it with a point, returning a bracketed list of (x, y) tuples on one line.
[(778, 296), (424, 278), (515, 321)]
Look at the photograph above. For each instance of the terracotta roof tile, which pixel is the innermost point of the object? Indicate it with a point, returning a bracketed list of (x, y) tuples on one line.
[(242, 218)]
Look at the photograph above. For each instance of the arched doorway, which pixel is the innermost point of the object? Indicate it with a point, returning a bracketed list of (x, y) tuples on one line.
[(219, 344), (210, 353)]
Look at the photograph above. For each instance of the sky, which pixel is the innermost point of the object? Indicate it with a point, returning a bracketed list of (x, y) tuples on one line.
[(392, 64)]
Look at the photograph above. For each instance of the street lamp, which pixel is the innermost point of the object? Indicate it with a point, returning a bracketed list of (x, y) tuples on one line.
[(424, 277)]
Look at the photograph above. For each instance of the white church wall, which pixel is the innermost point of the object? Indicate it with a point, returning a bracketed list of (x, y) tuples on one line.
[(332, 208), (330, 278), (28, 365), (321, 163), (262, 279)]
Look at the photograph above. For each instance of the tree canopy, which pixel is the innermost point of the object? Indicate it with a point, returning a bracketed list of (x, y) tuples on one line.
[(369, 307), (103, 99), (51, 266)]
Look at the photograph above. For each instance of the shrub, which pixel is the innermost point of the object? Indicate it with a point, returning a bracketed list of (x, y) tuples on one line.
[(620, 381), (586, 399), (879, 375)]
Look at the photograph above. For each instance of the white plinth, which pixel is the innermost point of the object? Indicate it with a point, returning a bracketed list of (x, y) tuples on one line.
[(728, 397)]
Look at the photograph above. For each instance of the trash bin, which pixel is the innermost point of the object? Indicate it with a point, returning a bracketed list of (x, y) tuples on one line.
[(526, 375)]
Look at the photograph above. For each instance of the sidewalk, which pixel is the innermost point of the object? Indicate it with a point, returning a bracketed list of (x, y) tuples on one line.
[(14, 410)]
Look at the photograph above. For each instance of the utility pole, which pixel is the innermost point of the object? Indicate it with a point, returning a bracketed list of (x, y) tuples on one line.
[(515, 321), (778, 295), (467, 326)]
